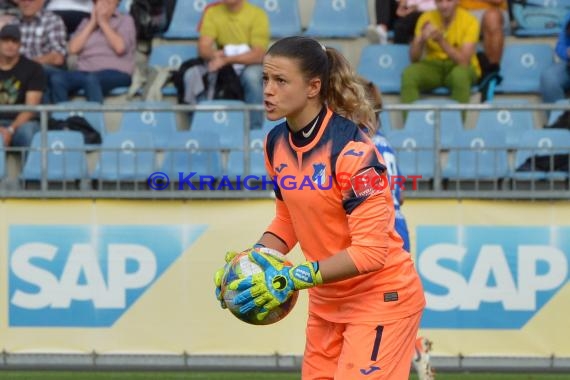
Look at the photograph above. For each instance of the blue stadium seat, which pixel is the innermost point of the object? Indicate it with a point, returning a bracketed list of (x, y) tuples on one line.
[(268, 125), (125, 6), (118, 91), (185, 19), (127, 156), (451, 121), (543, 142), (538, 18), (171, 56), (415, 152), (65, 157), (385, 121), (338, 19), (229, 125), (522, 65), (256, 157), (555, 114), (514, 123), (284, 16), (161, 125), (477, 155), (95, 118), (383, 65), (190, 151)]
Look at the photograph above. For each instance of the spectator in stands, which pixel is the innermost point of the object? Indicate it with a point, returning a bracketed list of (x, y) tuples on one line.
[(44, 38), (493, 16), (105, 45), (236, 32), (385, 16), (21, 82), (448, 36), (8, 11), (71, 12), (408, 12), (555, 80), (400, 16)]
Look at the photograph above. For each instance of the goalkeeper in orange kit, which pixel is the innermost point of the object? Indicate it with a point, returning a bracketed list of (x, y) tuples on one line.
[(365, 297)]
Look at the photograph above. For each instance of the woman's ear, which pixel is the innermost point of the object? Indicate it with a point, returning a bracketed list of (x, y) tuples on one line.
[(314, 88)]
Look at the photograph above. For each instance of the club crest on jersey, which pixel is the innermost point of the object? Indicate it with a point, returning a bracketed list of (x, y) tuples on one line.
[(319, 174), (367, 182)]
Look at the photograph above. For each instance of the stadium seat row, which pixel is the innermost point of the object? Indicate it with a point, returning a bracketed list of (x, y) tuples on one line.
[(480, 154), (132, 156), (349, 18), (477, 154), (521, 63), (229, 125)]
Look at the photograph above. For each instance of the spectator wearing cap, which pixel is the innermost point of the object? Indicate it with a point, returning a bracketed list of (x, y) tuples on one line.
[(21, 82), (105, 45)]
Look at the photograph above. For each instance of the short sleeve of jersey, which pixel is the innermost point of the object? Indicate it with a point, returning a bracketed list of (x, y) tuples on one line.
[(421, 21), (360, 173), (470, 26), (207, 25), (37, 80), (260, 31)]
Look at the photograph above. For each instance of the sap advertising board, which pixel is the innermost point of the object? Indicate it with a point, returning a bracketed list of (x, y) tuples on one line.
[(475, 277), (87, 275), (492, 277)]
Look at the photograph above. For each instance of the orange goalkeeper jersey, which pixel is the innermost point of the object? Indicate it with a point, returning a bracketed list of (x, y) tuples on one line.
[(331, 196)]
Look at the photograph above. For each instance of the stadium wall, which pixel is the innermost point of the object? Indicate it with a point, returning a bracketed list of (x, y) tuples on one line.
[(108, 279)]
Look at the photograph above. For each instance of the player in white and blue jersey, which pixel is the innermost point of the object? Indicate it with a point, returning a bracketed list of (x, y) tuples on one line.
[(389, 156)]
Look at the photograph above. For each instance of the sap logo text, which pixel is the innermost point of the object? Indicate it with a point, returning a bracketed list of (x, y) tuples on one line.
[(82, 262), (87, 275), (493, 278)]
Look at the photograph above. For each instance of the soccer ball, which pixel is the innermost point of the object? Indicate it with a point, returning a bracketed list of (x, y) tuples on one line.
[(240, 267)]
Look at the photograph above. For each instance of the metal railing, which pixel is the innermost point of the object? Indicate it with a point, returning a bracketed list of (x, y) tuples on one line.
[(437, 189)]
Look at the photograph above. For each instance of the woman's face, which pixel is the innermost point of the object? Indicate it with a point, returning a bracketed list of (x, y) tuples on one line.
[(286, 92)]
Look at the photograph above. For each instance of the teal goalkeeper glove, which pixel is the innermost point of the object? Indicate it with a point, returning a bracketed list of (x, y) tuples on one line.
[(274, 285), (218, 277)]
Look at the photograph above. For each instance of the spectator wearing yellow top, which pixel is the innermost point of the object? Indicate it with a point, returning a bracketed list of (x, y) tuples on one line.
[(493, 16), (443, 53), (236, 32)]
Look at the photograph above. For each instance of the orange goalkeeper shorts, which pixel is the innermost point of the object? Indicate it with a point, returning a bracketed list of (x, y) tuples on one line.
[(371, 351)]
